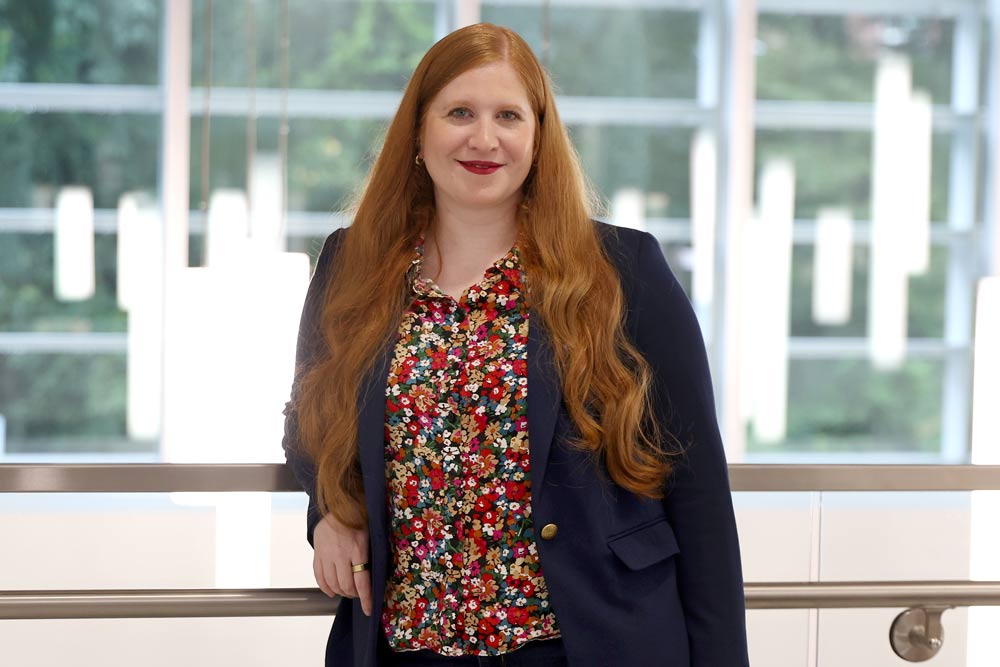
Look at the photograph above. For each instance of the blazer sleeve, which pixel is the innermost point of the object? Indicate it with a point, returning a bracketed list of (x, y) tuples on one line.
[(308, 349), (698, 501)]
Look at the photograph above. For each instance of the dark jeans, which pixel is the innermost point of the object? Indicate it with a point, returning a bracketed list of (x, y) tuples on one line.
[(536, 653)]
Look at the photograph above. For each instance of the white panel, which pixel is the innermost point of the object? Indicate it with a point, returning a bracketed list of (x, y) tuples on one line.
[(140, 285), (230, 357), (243, 540), (986, 375), (266, 206), (228, 228)]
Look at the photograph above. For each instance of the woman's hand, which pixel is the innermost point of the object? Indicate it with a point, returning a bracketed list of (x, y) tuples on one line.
[(335, 549)]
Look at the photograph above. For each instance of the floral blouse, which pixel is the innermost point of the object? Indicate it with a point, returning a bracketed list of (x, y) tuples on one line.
[(466, 579)]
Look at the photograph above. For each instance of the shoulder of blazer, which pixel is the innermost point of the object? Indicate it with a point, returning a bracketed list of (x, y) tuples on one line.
[(622, 247)]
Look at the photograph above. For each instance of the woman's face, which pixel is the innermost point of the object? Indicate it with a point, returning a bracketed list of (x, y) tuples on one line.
[(477, 139)]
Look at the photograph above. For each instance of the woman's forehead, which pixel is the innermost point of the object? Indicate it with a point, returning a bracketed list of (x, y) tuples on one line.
[(496, 83)]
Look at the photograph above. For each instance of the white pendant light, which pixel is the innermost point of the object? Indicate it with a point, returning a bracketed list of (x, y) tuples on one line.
[(74, 244), (774, 268), (128, 214), (832, 267), (749, 341), (887, 297), (703, 212), (917, 164)]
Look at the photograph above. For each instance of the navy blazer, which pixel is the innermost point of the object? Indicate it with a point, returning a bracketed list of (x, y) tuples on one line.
[(634, 582)]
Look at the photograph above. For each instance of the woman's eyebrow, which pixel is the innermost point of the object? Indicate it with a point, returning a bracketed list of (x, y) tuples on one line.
[(503, 105)]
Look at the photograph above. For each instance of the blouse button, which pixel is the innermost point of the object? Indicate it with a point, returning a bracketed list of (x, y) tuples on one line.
[(549, 531)]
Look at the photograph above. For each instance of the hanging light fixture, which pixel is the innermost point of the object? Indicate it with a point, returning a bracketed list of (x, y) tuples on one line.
[(773, 266), (916, 162), (703, 212), (833, 264), (888, 286), (74, 244)]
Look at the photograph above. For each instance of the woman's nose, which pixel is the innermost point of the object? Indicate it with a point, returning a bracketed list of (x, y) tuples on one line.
[(484, 136)]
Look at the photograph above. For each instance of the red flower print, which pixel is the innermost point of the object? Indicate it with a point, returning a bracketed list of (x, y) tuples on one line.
[(481, 421), (486, 626), (493, 640), (515, 490), (528, 588), (517, 616), (520, 367), (439, 359)]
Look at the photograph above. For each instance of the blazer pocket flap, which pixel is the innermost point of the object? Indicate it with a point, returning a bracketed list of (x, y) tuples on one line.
[(645, 545)]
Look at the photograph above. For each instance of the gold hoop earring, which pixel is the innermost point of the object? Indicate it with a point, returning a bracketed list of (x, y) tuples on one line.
[(417, 160)]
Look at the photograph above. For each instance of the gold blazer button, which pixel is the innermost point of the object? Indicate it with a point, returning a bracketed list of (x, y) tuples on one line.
[(549, 531)]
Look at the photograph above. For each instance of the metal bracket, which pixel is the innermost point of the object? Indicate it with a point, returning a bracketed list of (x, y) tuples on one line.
[(916, 634)]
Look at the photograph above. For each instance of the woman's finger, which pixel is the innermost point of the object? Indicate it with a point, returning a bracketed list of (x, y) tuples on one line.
[(330, 571), (346, 580), (363, 584), (320, 577)]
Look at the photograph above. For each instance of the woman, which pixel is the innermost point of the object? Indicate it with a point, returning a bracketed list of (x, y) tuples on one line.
[(503, 413)]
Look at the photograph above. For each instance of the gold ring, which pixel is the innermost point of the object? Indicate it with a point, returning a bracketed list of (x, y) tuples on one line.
[(360, 567)]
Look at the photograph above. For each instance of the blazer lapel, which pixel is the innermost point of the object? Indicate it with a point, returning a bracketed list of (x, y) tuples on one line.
[(544, 398), (371, 438)]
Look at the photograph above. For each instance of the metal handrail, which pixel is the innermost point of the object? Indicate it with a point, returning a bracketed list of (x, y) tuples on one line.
[(915, 634), (184, 603), (275, 477)]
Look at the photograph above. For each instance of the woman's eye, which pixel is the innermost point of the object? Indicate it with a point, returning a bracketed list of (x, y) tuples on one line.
[(460, 113), (509, 115)]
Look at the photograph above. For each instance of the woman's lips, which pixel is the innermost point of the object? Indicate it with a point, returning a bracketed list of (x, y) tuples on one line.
[(477, 167)]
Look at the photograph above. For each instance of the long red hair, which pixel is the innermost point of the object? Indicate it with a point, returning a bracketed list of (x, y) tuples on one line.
[(573, 288)]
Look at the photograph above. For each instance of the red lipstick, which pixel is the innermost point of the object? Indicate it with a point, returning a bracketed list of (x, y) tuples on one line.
[(480, 167)]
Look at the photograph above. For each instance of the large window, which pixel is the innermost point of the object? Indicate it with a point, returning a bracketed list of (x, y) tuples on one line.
[(292, 96)]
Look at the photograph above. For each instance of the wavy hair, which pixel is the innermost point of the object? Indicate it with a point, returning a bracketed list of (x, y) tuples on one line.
[(606, 383)]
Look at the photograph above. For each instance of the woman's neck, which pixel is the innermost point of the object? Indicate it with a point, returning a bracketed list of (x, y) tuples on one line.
[(461, 247), (474, 232)]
